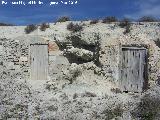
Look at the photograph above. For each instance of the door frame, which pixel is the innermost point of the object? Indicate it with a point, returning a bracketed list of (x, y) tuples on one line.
[(146, 72)]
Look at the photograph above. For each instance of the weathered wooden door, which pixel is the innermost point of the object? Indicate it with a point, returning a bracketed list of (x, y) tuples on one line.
[(39, 61), (133, 72)]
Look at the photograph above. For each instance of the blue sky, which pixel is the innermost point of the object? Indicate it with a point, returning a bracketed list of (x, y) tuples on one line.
[(85, 9)]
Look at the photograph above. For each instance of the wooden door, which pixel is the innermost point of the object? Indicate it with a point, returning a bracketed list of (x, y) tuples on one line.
[(133, 70), (39, 61)]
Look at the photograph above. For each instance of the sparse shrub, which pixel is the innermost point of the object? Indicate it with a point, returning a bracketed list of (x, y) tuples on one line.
[(97, 50), (61, 45), (1, 63), (44, 26), (63, 19), (50, 87), (157, 42), (109, 19), (158, 81), (74, 27), (30, 28), (6, 24), (147, 109), (75, 74), (94, 21), (89, 94), (116, 90), (113, 112), (75, 96), (127, 30), (52, 108), (76, 40), (64, 96), (125, 22), (147, 19)]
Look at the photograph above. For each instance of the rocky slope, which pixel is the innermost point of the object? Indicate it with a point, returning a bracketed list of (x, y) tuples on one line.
[(80, 91)]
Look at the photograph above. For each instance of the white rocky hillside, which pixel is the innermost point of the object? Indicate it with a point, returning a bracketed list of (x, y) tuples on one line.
[(83, 73)]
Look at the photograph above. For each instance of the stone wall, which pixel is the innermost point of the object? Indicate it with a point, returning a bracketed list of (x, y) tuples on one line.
[(110, 56), (15, 56)]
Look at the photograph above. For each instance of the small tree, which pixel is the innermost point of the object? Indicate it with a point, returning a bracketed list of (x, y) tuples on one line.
[(109, 19), (63, 19), (44, 26), (30, 28)]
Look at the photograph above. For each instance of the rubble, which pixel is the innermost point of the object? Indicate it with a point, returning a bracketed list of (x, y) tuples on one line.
[(81, 53)]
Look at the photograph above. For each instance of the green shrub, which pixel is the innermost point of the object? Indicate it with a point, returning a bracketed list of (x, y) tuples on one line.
[(74, 27), (63, 19), (109, 19), (44, 26), (147, 19), (30, 28)]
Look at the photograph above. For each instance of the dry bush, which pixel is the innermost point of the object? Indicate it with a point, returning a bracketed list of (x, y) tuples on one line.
[(147, 109), (44, 26), (89, 94), (63, 19), (30, 28), (76, 41), (157, 42), (74, 27), (116, 90), (97, 50), (94, 21), (75, 95), (73, 74), (113, 112), (6, 24), (127, 30), (125, 22), (61, 45), (109, 19), (147, 19)]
